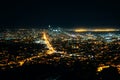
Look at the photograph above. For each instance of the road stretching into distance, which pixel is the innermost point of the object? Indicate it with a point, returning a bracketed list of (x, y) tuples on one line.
[(51, 49)]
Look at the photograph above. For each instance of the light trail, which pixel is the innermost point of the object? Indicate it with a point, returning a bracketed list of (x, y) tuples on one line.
[(51, 49)]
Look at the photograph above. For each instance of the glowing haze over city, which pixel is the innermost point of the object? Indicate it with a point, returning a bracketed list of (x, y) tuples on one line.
[(96, 30)]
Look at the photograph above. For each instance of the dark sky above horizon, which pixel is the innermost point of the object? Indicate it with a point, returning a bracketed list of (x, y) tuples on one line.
[(72, 14)]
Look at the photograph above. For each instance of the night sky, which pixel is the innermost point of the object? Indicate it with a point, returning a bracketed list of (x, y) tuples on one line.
[(39, 13)]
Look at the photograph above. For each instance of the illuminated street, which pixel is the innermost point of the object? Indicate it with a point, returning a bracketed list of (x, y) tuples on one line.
[(51, 49), (57, 47)]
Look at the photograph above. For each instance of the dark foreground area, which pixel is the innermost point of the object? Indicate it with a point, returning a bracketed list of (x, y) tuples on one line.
[(61, 72)]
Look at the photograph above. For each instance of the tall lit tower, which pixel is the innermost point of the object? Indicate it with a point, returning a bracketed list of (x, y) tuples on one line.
[(49, 26)]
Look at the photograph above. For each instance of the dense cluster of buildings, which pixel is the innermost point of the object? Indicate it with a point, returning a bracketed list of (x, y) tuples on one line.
[(28, 46)]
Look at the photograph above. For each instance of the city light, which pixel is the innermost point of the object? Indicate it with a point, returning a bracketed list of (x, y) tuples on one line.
[(96, 30), (51, 49), (81, 30), (104, 30), (45, 46), (99, 69)]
